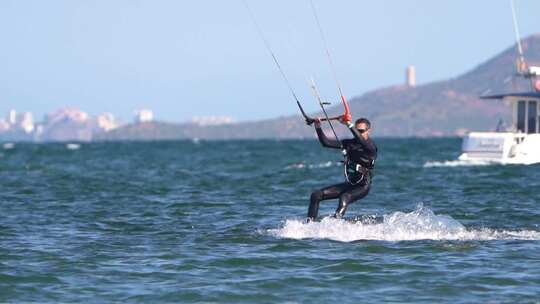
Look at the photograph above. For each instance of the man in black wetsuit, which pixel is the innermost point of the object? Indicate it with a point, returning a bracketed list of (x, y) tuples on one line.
[(360, 155)]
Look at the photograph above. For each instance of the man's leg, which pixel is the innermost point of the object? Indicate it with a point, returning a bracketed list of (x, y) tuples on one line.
[(350, 195), (330, 192)]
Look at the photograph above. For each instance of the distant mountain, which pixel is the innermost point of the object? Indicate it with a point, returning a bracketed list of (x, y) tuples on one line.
[(442, 108)]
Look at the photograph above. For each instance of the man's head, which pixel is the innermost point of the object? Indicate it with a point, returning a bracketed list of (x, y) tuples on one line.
[(363, 125)]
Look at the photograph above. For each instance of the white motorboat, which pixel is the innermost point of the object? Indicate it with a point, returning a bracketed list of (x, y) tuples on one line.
[(520, 144)]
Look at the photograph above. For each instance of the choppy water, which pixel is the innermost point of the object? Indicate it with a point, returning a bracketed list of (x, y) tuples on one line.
[(222, 222)]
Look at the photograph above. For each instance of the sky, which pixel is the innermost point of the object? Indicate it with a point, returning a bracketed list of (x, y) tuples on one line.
[(185, 58)]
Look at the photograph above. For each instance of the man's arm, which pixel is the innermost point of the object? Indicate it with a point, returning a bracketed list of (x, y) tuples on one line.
[(325, 141), (354, 131), (366, 144)]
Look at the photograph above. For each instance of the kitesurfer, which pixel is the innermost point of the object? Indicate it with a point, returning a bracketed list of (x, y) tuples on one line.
[(360, 155)]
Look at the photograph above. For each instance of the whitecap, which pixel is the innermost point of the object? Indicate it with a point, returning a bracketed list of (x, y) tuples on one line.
[(420, 224), (303, 165), (458, 163), (296, 166), (8, 146), (73, 146)]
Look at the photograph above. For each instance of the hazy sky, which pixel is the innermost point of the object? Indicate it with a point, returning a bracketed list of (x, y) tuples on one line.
[(202, 57)]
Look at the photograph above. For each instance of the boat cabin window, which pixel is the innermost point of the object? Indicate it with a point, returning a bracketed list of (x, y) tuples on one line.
[(531, 113), (521, 108), (528, 116)]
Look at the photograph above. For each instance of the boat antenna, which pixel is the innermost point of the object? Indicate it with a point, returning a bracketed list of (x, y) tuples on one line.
[(521, 60), (308, 119), (347, 114)]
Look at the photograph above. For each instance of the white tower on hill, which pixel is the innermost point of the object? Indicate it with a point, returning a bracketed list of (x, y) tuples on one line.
[(410, 76)]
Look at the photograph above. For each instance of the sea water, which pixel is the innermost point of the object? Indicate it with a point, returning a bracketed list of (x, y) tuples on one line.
[(223, 221)]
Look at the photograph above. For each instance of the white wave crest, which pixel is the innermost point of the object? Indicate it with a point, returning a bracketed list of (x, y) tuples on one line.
[(458, 163), (73, 146), (8, 146), (420, 224), (303, 165)]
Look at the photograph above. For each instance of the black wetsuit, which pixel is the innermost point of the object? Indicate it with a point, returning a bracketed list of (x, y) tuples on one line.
[(360, 155)]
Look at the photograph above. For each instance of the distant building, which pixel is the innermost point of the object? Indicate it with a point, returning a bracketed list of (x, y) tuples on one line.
[(12, 117), (69, 114), (38, 132), (23, 121), (212, 120), (144, 116), (26, 122), (4, 125), (106, 121), (410, 76), (66, 124)]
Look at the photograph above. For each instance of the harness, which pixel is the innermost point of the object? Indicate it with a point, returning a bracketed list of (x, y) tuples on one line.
[(354, 173)]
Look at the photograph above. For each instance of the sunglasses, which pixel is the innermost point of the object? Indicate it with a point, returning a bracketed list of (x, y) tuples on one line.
[(362, 130)]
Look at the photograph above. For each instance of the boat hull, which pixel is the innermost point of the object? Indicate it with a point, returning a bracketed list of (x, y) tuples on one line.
[(501, 147)]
